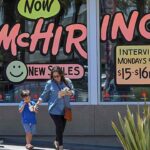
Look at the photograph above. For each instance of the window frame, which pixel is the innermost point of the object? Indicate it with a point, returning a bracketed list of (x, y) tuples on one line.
[(93, 55)]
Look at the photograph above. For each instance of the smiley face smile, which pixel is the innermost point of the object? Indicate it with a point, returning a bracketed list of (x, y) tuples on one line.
[(16, 75)]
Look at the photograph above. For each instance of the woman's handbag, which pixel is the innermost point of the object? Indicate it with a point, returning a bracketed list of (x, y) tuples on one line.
[(68, 114)]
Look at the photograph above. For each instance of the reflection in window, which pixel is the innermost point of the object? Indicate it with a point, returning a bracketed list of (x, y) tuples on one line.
[(73, 11), (111, 91)]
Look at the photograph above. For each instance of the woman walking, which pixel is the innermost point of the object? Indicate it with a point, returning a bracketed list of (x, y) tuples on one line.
[(58, 91)]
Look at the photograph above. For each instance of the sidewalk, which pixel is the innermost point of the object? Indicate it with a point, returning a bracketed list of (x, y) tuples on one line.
[(14, 147), (70, 143)]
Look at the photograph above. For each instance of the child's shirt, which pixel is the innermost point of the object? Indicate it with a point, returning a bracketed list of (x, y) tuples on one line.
[(26, 115)]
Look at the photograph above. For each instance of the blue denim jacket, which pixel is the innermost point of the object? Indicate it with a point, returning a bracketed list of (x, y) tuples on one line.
[(56, 105)]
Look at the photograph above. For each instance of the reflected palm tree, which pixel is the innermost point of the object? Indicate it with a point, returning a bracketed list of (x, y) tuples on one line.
[(65, 6), (109, 65), (139, 4)]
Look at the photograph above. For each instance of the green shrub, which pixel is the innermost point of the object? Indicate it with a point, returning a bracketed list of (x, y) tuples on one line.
[(134, 133)]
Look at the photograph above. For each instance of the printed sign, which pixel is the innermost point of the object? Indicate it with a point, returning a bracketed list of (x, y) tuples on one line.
[(35, 9), (132, 61), (17, 71), (133, 65), (12, 39), (43, 71), (126, 28)]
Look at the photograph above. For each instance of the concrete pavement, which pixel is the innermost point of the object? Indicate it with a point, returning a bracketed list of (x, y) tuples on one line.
[(15, 147), (70, 143)]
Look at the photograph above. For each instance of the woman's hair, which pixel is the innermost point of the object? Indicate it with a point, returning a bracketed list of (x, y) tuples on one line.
[(60, 72), (25, 93)]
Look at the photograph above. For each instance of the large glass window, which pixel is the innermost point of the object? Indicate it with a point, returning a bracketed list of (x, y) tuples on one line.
[(72, 12), (112, 92)]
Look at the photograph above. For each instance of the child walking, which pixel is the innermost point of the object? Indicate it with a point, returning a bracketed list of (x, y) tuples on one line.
[(28, 117)]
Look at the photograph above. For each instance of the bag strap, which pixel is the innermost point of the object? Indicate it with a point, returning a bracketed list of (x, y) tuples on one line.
[(58, 86), (67, 85)]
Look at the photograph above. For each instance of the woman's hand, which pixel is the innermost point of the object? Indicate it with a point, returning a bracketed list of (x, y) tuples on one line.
[(35, 108), (61, 94), (69, 93)]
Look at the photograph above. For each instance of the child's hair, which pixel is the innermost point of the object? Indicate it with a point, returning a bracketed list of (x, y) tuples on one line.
[(25, 93)]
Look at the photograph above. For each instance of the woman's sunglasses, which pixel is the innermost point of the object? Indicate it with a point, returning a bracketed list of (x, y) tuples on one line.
[(58, 76)]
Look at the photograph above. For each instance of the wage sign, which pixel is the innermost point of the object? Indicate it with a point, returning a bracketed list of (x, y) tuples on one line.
[(133, 65), (35, 9)]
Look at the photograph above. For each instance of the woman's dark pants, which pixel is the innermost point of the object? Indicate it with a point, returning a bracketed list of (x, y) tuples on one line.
[(60, 124)]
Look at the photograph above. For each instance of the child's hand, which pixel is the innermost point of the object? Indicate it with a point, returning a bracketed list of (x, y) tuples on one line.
[(26, 101), (22, 107), (31, 108)]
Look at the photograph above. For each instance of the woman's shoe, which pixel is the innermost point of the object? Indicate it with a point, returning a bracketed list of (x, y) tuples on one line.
[(56, 144), (31, 147), (1, 141), (60, 147)]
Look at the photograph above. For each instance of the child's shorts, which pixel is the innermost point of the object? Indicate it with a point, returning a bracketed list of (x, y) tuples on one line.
[(30, 128)]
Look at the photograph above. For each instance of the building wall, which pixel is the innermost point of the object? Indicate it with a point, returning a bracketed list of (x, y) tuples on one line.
[(87, 120)]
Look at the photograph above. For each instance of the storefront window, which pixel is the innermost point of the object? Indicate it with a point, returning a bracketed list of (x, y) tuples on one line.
[(111, 90), (72, 12)]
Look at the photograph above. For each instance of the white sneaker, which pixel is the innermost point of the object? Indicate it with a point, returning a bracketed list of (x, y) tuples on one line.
[(56, 144), (60, 147)]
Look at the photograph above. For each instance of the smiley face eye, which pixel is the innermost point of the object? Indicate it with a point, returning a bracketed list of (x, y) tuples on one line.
[(13, 66), (19, 66)]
